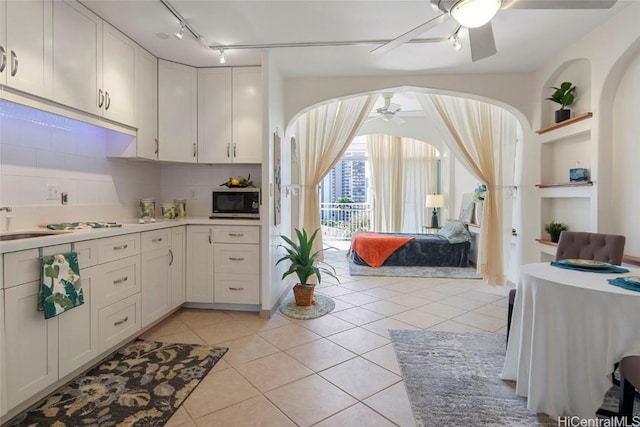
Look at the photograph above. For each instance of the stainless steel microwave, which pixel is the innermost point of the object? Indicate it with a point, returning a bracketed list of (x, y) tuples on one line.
[(236, 203)]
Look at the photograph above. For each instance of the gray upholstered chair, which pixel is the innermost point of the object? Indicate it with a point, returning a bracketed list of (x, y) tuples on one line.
[(629, 381), (581, 245)]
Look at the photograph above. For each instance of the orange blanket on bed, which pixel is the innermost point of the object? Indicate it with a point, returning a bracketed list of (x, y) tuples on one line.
[(375, 248)]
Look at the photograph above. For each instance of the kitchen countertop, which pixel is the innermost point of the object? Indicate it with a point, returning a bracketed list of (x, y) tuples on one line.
[(131, 226)]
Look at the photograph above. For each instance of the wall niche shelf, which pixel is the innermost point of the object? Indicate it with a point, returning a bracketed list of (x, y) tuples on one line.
[(546, 242), (566, 184), (564, 123)]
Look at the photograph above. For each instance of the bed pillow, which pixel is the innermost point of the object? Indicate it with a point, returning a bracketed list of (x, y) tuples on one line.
[(455, 232)]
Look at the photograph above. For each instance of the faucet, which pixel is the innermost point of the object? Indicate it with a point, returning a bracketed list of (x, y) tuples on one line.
[(6, 208)]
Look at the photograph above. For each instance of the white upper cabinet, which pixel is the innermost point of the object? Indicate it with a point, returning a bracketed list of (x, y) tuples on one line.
[(230, 115), (77, 64), (147, 104), (247, 115), (177, 112), (215, 115), (93, 64), (25, 46), (118, 76)]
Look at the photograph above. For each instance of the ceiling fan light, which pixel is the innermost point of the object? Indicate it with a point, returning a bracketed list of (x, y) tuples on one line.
[(475, 13), (387, 116)]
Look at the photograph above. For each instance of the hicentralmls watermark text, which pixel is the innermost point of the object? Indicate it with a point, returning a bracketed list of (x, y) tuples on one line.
[(599, 422)]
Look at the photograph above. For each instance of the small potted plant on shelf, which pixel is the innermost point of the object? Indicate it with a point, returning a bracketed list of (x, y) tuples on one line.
[(304, 264), (554, 228), (563, 95)]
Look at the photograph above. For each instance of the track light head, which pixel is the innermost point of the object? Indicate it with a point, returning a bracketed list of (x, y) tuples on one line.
[(180, 33), (222, 59)]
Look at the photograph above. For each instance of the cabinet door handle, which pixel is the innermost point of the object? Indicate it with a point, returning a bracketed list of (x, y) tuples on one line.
[(235, 150), (195, 149), (236, 234), (117, 248), (121, 280), (14, 63), (120, 322), (157, 146), (236, 289), (107, 101), (171, 253), (3, 59), (157, 239), (100, 98), (210, 236), (236, 258), (228, 147)]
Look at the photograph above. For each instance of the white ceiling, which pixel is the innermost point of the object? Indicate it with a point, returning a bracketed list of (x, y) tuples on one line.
[(525, 39)]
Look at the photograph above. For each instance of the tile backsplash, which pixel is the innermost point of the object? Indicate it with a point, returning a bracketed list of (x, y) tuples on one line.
[(43, 155)]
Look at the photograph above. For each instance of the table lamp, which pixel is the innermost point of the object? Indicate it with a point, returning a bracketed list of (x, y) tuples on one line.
[(434, 201)]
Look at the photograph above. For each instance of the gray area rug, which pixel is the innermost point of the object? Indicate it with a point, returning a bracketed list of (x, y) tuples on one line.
[(445, 272), (453, 379)]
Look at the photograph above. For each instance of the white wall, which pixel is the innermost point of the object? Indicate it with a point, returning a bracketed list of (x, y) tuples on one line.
[(626, 154), (38, 149), (181, 181)]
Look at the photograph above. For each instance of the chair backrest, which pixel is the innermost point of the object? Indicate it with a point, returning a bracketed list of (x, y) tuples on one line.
[(595, 246), (630, 370)]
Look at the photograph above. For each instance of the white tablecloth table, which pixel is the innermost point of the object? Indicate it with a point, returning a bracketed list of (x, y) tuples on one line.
[(567, 331)]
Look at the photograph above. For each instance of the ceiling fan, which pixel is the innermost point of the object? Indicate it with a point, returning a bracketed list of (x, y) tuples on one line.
[(388, 111), (476, 16)]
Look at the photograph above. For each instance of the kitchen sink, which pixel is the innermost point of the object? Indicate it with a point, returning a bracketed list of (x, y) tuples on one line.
[(26, 235)]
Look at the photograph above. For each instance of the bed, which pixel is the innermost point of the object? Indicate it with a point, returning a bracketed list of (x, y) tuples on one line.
[(448, 248)]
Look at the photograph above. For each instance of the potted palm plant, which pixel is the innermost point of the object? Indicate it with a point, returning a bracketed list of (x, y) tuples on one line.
[(304, 264), (554, 228), (563, 95)]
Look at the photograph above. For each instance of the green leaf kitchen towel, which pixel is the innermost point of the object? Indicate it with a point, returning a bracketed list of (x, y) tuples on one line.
[(60, 287), (82, 225)]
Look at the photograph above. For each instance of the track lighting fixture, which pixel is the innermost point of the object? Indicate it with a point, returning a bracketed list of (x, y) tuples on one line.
[(222, 59), (179, 34)]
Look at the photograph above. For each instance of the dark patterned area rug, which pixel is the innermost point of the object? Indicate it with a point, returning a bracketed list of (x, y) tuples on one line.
[(403, 271), (142, 385), (453, 379)]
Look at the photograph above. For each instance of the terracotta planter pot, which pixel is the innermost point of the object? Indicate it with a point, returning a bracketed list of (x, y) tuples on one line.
[(303, 294)]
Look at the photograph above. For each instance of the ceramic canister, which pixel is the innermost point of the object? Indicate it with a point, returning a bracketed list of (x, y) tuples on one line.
[(147, 208), (181, 208), (168, 211)]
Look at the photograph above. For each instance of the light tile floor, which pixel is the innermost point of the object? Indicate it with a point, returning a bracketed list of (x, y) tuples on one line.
[(337, 370)]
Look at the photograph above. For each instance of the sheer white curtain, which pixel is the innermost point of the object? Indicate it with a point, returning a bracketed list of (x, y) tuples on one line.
[(403, 172), (483, 137), (324, 134)]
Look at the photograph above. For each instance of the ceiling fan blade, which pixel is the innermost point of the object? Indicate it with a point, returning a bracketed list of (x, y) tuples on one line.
[(394, 108), (559, 4), (370, 119), (410, 35), (398, 120), (482, 42)]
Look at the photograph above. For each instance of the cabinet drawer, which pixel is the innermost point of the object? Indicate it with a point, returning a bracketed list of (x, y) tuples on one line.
[(24, 266), (118, 247), (87, 253), (236, 289), (117, 280), (118, 322), (230, 258), (157, 239), (236, 234)]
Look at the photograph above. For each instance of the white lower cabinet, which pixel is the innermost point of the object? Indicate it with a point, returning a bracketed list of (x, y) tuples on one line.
[(156, 275), (199, 263), (118, 322), (223, 264), (178, 259), (32, 344), (3, 371), (78, 329)]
